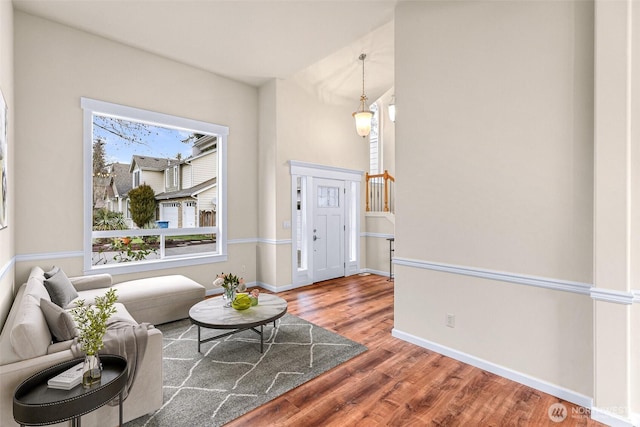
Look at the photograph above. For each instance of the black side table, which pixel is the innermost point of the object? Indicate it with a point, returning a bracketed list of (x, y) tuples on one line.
[(35, 404)]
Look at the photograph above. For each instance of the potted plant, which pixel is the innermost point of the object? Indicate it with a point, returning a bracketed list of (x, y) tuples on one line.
[(92, 325)]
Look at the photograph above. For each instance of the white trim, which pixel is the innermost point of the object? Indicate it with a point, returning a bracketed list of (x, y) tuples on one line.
[(6, 267), (123, 268), (377, 235), (273, 288), (151, 117), (49, 255), (610, 418), (324, 171), (521, 279), (274, 241), (156, 264), (241, 241), (372, 271), (636, 299), (536, 383), (91, 107), (610, 295), (308, 172), (379, 214)]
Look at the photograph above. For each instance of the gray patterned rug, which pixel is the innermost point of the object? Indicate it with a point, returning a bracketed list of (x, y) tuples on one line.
[(231, 377)]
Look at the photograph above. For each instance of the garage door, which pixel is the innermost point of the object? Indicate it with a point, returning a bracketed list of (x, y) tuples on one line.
[(169, 212), (189, 218)]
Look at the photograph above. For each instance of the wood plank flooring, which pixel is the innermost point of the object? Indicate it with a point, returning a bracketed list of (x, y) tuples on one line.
[(395, 383)]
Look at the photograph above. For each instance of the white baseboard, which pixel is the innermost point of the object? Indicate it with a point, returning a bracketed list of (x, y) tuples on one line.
[(538, 384), (612, 419), (372, 271)]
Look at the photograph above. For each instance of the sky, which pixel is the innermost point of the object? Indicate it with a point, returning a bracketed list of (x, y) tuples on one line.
[(154, 141)]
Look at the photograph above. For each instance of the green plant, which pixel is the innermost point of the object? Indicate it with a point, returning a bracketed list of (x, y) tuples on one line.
[(127, 253), (104, 219), (142, 204), (92, 321)]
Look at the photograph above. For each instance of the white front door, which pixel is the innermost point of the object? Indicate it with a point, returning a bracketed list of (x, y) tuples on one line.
[(328, 229)]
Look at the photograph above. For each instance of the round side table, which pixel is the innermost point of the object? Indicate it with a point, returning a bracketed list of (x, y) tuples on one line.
[(35, 404)]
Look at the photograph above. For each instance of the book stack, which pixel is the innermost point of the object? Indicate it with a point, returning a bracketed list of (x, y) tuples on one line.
[(67, 379)]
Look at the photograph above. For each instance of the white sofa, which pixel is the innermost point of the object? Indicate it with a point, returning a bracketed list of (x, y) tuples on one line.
[(26, 345)]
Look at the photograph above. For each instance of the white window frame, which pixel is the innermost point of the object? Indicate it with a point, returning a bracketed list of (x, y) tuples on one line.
[(175, 176), (375, 138), (91, 107)]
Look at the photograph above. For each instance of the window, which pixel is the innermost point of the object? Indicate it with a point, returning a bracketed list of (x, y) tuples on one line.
[(375, 142), (166, 221)]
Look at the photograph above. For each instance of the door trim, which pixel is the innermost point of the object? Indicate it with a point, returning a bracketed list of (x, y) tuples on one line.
[(352, 180)]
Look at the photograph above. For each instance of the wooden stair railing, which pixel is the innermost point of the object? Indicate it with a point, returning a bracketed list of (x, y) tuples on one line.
[(375, 184)]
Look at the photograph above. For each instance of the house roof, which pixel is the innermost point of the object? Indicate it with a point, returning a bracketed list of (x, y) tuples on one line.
[(187, 192), (120, 179), (151, 163)]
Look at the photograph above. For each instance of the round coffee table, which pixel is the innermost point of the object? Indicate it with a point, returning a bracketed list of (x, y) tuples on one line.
[(212, 314), (35, 404)]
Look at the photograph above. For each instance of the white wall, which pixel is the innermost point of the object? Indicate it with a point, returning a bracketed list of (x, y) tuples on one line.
[(495, 135), (305, 130), (55, 66), (6, 86)]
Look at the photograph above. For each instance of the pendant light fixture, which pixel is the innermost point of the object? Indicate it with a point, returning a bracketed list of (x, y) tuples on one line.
[(363, 116)]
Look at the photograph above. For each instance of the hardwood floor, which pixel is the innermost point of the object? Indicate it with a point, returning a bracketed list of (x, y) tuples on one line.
[(395, 383)]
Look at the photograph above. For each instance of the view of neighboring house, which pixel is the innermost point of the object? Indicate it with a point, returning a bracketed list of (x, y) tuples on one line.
[(186, 189), (118, 189)]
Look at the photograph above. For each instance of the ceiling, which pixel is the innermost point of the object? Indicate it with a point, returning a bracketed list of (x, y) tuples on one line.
[(314, 42)]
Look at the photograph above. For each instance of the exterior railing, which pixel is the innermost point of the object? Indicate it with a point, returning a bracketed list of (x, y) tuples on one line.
[(380, 192)]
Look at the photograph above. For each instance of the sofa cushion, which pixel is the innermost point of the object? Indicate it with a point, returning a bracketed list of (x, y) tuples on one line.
[(60, 288), (30, 336), (61, 323)]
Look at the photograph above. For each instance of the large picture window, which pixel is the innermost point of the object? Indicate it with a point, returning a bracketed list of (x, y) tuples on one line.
[(154, 189)]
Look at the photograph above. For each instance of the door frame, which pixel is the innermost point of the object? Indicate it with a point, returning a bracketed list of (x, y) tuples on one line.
[(306, 172)]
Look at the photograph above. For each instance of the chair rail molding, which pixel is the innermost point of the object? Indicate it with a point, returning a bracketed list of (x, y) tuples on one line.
[(7, 267), (520, 279)]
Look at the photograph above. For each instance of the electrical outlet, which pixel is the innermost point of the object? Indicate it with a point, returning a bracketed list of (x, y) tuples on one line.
[(243, 268), (450, 321)]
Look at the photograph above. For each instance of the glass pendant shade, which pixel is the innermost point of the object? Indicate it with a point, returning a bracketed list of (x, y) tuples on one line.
[(363, 116), (363, 122)]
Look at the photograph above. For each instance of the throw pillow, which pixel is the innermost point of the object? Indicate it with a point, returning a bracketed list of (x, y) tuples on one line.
[(60, 322), (51, 272), (60, 289)]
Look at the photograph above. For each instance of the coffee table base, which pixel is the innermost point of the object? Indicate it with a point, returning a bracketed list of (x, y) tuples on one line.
[(235, 331)]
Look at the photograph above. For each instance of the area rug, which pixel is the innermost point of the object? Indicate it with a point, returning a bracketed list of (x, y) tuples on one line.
[(231, 377)]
